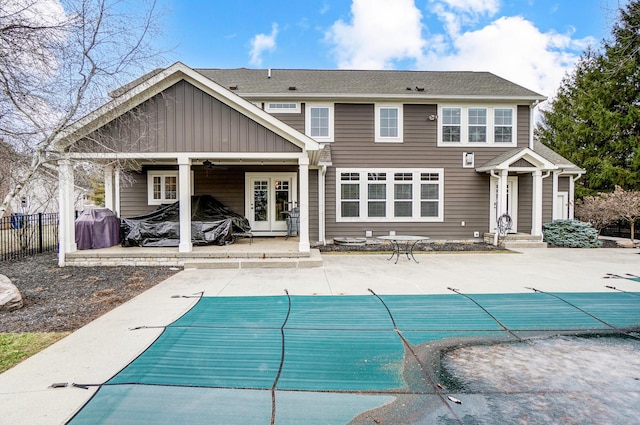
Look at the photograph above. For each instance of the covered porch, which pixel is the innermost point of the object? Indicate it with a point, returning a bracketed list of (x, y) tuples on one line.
[(525, 193)]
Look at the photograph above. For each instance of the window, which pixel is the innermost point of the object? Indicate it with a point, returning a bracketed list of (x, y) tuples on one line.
[(388, 124), (476, 125), (451, 121), (162, 187), (319, 122), (283, 107), (392, 195), (350, 195), (503, 126)]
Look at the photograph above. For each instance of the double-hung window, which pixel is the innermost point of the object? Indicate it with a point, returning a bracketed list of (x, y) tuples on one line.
[(162, 187), (503, 125), (389, 194), (319, 122), (476, 125), (388, 122), (451, 124)]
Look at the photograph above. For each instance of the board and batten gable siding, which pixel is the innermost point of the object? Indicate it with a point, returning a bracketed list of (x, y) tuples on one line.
[(466, 192), (183, 118)]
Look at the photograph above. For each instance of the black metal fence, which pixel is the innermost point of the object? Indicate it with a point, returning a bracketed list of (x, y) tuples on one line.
[(621, 229), (24, 235)]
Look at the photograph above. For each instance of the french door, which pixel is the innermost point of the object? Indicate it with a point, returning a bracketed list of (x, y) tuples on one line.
[(268, 197)]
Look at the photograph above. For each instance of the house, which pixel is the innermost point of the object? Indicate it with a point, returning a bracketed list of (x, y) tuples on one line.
[(361, 153)]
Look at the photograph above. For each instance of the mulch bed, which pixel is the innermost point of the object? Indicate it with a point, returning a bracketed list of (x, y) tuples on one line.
[(66, 298)]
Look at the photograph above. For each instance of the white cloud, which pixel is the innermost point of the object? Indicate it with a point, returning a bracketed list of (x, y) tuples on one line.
[(513, 48), (262, 43), (380, 31)]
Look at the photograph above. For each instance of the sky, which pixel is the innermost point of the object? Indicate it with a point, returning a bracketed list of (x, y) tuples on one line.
[(530, 42)]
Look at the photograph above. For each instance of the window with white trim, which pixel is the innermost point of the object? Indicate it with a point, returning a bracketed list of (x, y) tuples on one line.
[(388, 123), (283, 107), (319, 122), (503, 125), (390, 194), (162, 187), (476, 125)]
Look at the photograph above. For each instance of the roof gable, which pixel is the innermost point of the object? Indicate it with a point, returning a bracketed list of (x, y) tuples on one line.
[(160, 81), (523, 158)]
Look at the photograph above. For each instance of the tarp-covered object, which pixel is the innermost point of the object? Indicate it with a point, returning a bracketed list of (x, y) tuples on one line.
[(97, 228), (212, 223)]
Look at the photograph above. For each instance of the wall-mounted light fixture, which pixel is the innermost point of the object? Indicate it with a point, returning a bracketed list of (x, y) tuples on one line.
[(468, 159), (207, 163), (433, 117)]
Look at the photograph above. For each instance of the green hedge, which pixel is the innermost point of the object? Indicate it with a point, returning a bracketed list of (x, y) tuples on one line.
[(571, 234)]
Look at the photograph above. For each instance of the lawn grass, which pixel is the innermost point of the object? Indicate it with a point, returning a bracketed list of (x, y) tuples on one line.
[(14, 348)]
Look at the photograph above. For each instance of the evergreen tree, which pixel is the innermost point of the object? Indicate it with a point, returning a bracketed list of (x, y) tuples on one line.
[(594, 119)]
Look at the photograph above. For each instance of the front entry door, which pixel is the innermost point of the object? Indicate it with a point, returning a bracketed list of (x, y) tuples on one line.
[(268, 196), (512, 202)]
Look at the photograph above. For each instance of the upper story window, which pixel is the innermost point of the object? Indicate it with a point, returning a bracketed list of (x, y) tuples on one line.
[(503, 126), (388, 123), (475, 125), (162, 187), (319, 122), (393, 195), (282, 107)]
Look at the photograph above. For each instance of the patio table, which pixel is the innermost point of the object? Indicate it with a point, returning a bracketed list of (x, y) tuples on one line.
[(403, 244)]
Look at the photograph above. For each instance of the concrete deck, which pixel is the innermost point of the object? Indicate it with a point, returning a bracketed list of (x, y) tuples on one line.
[(99, 350)]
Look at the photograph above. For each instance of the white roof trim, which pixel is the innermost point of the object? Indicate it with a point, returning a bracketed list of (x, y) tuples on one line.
[(527, 154), (163, 80)]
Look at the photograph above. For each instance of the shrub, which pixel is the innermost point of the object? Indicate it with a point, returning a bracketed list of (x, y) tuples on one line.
[(571, 234)]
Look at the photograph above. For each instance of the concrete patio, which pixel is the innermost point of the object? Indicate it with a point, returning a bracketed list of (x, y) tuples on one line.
[(99, 350)]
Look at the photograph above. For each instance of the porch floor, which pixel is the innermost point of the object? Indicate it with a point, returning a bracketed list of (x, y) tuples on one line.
[(261, 252)]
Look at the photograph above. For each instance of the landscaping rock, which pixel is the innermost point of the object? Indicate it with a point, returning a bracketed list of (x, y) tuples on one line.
[(10, 297), (626, 243)]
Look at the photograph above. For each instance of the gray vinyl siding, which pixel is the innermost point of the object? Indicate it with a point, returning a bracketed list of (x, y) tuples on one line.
[(563, 184), (523, 126), (466, 192), (525, 202), (547, 200), (185, 119), (313, 206), (226, 184)]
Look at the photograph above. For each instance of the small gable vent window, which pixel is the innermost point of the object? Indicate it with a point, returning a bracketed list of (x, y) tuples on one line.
[(283, 107)]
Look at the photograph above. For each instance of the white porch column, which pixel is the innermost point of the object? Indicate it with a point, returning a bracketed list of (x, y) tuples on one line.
[(116, 192), (184, 184), (322, 174), (67, 231), (536, 213), (303, 203), (108, 188)]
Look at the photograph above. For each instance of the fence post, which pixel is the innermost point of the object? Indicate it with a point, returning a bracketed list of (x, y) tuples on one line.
[(40, 229)]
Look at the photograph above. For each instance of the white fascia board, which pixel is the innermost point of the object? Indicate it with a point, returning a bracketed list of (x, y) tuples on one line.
[(526, 153), (192, 155), (166, 79)]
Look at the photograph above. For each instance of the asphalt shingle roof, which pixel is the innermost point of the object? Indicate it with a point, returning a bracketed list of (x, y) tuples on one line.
[(361, 83)]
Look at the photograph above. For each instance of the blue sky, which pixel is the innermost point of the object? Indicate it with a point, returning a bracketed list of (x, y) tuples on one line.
[(531, 42)]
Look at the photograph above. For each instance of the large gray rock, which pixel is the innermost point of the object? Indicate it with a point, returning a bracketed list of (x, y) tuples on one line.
[(10, 297)]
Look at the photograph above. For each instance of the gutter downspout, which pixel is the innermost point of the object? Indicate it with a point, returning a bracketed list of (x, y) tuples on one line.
[(495, 231)]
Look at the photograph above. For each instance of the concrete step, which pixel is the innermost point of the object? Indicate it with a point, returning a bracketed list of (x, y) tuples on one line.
[(313, 260), (523, 244)]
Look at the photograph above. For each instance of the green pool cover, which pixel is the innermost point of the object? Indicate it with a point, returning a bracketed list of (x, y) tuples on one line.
[(324, 359)]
